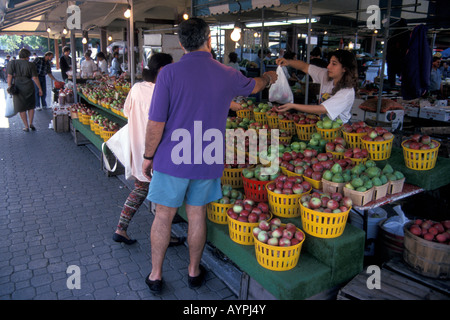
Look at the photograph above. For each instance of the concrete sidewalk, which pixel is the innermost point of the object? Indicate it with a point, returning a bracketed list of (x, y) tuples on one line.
[(58, 208)]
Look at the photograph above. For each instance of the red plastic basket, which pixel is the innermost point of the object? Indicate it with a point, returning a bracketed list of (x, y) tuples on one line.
[(255, 190)]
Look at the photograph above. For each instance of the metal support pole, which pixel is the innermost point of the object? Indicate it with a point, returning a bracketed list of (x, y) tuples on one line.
[(131, 49), (386, 37), (308, 50), (73, 50)]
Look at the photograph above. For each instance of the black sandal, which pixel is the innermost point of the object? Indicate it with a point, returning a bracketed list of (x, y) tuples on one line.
[(26, 129), (32, 127)]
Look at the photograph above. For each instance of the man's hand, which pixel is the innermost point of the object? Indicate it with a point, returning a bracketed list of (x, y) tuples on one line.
[(147, 166)]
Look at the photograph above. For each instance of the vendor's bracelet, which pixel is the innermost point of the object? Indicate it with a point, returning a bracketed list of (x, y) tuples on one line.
[(148, 158)]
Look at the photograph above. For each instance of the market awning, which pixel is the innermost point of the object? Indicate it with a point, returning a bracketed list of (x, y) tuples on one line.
[(208, 7)]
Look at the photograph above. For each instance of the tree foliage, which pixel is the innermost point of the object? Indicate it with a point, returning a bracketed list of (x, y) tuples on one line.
[(12, 43)]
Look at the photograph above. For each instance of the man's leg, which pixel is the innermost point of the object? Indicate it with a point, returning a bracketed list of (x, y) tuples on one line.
[(44, 91), (196, 236), (160, 238), (37, 98)]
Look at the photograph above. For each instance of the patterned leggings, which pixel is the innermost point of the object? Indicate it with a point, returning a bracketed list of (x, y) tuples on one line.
[(132, 204)]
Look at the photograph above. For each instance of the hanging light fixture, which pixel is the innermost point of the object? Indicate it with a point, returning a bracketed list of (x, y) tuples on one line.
[(64, 31), (185, 16), (236, 34), (49, 30), (109, 38), (127, 13), (84, 41)]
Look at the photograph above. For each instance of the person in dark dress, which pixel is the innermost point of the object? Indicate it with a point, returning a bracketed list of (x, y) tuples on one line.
[(24, 73)]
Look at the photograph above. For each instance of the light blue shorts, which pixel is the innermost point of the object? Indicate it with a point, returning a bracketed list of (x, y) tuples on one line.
[(172, 191)]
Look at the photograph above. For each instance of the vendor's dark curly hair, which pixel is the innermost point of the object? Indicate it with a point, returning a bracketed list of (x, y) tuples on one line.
[(193, 33), (350, 77), (155, 63)]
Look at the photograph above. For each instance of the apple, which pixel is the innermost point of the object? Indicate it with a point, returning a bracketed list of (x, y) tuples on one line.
[(333, 204), (315, 203), (276, 221), (256, 231), (264, 225), (299, 235), (277, 233), (253, 217), (263, 236), (273, 241), (347, 202)]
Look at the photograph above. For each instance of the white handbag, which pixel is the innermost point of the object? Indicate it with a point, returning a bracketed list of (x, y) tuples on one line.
[(119, 145)]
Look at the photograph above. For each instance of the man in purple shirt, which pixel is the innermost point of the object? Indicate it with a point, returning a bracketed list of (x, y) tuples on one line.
[(184, 142)]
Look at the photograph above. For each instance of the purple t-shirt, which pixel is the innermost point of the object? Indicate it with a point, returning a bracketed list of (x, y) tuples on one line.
[(193, 97)]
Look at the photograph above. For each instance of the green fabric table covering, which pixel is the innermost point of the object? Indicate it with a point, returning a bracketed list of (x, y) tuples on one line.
[(323, 263), (432, 179)]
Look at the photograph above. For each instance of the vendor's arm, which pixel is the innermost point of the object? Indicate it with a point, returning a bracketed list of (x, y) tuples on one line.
[(296, 64), (153, 137), (268, 78), (315, 109)]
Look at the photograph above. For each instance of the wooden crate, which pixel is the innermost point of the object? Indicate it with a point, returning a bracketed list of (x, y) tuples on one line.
[(397, 283)]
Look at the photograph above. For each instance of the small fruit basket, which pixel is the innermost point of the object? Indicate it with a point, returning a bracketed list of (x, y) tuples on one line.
[(217, 212), (420, 156), (353, 139), (288, 126), (328, 223), (279, 253), (359, 198), (255, 189), (233, 177), (329, 134), (380, 191), (304, 131), (284, 195), (241, 225), (273, 121), (378, 150), (245, 113), (260, 117)]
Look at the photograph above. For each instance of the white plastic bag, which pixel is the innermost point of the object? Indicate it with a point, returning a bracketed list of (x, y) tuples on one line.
[(280, 91), (9, 109), (119, 145), (395, 224)]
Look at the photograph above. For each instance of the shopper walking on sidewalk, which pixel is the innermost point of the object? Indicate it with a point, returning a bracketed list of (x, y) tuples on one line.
[(24, 73), (44, 68), (197, 89), (136, 108)]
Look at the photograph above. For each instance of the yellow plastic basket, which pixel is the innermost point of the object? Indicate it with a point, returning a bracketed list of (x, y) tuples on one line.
[(316, 184), (84, 118), (287, 125), (378, 150), (242, 232), (91, 125), (278, 258), (107, 135), (322, 224), (233, 177), (283, 205), (420, 159), (97, 128), (217, 212), (353, 139), (245, 113), (305, 131), (329, 134), (337, 155), (285, 140), (260, 117), (273, 122), (356, 161), (290, 173)]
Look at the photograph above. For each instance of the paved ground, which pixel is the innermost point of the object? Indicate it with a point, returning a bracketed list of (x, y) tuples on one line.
[(58, 208)]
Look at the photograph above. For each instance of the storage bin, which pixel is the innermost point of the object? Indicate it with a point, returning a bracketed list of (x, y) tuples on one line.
[(322, 224), (420, 160)]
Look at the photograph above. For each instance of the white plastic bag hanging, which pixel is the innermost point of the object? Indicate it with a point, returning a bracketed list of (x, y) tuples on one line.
[(9, 110), (280, 91)]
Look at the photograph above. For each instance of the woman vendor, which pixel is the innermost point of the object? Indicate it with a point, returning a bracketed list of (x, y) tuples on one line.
[(338, 85)]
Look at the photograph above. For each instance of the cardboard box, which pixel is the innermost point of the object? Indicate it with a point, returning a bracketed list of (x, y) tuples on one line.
[(357, 113), (61, 123), (411, 110), (435, 113), (392, 117)]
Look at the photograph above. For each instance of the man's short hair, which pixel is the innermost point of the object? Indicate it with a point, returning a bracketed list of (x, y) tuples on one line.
[(48, 53), (193, 33), (66, 48)]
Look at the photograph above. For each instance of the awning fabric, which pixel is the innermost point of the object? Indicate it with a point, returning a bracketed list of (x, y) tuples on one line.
[(202, 8)]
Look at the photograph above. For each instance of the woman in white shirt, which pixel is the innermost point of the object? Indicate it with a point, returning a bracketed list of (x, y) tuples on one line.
[(338, 85), (101, 63), (88, 66)]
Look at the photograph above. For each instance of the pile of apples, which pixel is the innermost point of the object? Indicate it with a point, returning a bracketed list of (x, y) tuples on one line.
[(275, 234), (337, 145), (289, 185), (356, 153), (329, 203), (378, 134), (420, 142), (432, 230), (247, 210), (307, 119), (357, 127)]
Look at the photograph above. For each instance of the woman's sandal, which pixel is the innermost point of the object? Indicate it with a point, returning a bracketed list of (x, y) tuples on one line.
[(32, 127), (26, 129), (176, 241)]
